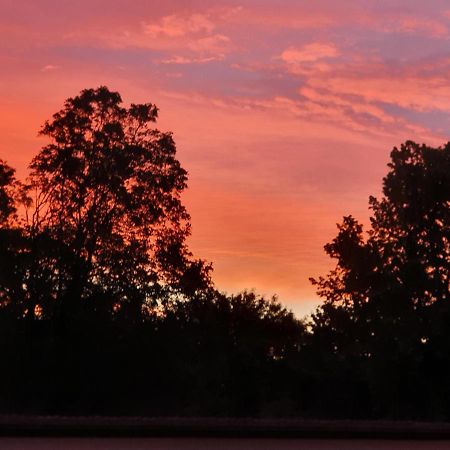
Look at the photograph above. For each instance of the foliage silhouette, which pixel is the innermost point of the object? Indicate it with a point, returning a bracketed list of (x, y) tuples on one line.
[(105, 200), (104, 310), (386, 303)]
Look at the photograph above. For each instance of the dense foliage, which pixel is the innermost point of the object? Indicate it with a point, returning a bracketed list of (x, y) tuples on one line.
[(105, 227), (104, 310), (386, 312)]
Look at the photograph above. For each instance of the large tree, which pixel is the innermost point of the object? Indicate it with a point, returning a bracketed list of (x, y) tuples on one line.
[(407, 250), (106, 192), (385, 304)]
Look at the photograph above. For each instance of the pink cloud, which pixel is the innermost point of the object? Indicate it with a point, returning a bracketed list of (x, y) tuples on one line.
[(175, 26), (185, 60), (210, 44), (427, 26), (414, 92), (309, 53), (319, 107), (180, 32), (405, 24), (191, 38), (50, 67)]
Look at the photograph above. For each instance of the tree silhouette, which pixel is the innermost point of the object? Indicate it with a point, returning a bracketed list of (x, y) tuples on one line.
[(406, 255), (104, 310), (388, 293), (107, 195)]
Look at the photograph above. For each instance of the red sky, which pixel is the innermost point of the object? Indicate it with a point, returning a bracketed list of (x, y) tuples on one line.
[(284, 112)]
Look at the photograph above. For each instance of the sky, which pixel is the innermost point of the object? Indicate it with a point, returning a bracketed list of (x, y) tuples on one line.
[(284, 111)]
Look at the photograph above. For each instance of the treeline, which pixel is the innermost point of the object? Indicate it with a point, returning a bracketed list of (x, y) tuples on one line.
[(104, 310)]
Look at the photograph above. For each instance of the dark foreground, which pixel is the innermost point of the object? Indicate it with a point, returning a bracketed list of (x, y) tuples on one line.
[(83, 430), (217, 444)]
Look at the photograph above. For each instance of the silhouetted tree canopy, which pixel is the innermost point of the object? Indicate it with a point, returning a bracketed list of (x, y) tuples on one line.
[(104, 310), (106, 224), (403, 265), (386, 302)]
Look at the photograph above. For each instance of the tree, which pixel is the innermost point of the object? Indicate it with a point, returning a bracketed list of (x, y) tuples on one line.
[(106, 195), (386, 298), (407, 252)]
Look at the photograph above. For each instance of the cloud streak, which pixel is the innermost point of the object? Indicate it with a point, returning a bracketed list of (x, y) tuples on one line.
[(309, 53)]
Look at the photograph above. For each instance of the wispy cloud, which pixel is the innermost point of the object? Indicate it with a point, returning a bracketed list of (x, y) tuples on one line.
[(185, 60), (174, 26), (50, 67), (309, 53)]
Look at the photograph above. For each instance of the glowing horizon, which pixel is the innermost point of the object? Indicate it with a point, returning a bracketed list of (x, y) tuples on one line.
[(284, 112)]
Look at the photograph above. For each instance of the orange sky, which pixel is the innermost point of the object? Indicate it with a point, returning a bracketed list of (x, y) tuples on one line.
[(284, 112)]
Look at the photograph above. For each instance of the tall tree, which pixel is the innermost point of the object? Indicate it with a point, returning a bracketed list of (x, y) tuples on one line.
[(407, 250), (108, 195), (386, 300)]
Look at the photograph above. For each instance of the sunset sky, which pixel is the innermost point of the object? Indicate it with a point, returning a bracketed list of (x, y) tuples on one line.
[(284, 111)]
